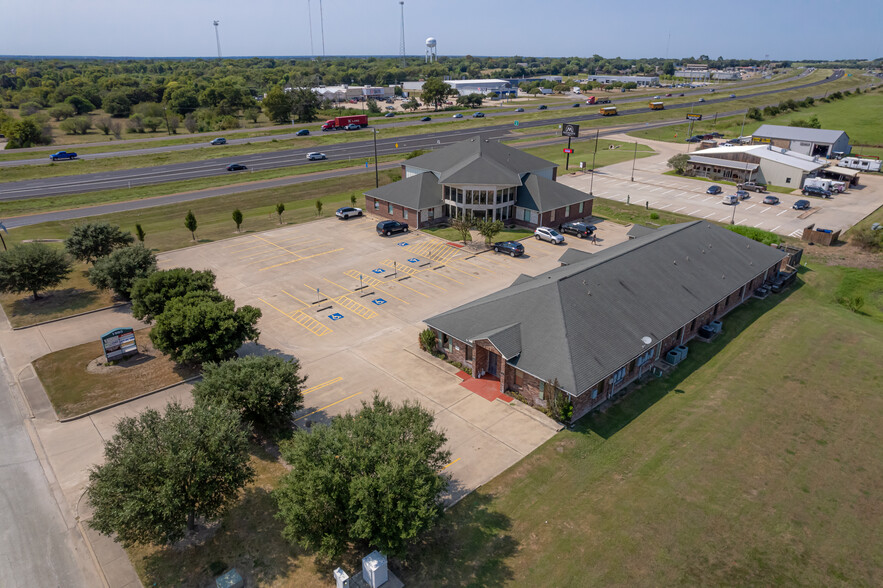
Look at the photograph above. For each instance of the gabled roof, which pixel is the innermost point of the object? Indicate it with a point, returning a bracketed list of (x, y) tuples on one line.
[(798, 134), (480, 170), (580, 323), (573, 256), (443, 160), (639, 231), (507, 340), (417, 192), (768, 152), (542, 194)]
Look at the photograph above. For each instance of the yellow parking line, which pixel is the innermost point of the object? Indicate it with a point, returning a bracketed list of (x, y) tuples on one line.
[(348, 291), (452, 463), (301, 259), (266, 259), (275, 308), (374, 283), (322, 385), (306, 304), (359, 310), (248, 248), (328, 406), (249, 242), (474, 265), (407, 270), (278, 246), (310, 324)]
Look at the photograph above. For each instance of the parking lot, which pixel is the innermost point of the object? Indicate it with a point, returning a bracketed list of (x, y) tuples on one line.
[(349, 305)]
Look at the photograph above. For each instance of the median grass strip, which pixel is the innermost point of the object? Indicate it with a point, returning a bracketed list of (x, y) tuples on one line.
[(755, 462), (75, 384)]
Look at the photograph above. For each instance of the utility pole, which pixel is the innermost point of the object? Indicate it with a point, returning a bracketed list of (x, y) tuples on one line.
[(592, 180), (322, 25), (402, 38), (634, 159), (310, 18), (376, 173), (218, 37)]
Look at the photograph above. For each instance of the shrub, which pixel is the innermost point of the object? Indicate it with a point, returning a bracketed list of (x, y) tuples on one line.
[(865, 238), (427, 340), (121, 269), (758, 235), (654, 215), (678, 162)]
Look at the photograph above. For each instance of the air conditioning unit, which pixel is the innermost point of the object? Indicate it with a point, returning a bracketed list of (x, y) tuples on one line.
[(673, 357), (374, 569), (716, 326), (682, 350), (341, 578)]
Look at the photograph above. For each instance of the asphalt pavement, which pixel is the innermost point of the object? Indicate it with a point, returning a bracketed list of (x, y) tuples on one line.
[(353, 152)]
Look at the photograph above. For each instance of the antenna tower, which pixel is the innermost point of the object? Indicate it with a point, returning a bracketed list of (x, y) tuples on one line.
[(217, 37), (402, 39), (310, 18), (322, 25)]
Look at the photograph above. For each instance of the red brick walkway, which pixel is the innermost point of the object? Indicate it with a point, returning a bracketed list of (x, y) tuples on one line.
[(488, 387)]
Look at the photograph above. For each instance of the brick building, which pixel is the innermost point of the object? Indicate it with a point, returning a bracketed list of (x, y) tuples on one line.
[(483, 179), (601, 321)]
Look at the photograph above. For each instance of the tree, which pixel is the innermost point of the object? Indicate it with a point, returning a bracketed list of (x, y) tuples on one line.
[(373, 477), (152, 123), (190, 223), (280, 208), (305, 104), (489, 229), (119, 270), (237, 218), (117, 104), (669, 68), (89, 241), (62, 111), (755, 113), (353, 199), (173, 121), (373, 108), (24, 132), (151, 294), (139, 233), (163, 472), (80, 104), (463, 224), (678, 162), (277, 105), (191, 123), (77, 124), (318, 207), (265, 390), (104, 124), (31, 267), (252, 114), (411, 104), (203, 326), (435, 92), (472, 100)]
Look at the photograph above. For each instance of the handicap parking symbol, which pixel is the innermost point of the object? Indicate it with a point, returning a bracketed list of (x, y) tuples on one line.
[(413, 260), (403, 244), (379, 301), (379, 270), (336, 316)]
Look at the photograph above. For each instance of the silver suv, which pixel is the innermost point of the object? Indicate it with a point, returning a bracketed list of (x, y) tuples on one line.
[(550, 235), (316, 155)]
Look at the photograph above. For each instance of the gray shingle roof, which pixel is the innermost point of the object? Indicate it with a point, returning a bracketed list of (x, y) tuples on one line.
[(417, 192), (442, 160), (572, 256), (542, 194), (798, 134), (480, 170), (507, 340), (580, 323), (639, 231)]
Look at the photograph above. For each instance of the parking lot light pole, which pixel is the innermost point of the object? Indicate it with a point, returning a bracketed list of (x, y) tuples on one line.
[(594, 153), (735, 204), (376, 173), (634, 159)]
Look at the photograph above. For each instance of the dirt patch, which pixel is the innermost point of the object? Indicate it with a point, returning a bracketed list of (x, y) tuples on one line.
[(845, 254)]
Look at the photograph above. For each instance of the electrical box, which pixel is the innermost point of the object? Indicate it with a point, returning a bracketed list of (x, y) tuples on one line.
[(341, 578), (374, 569)]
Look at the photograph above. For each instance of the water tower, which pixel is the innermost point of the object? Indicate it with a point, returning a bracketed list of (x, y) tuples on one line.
[(431, 54)]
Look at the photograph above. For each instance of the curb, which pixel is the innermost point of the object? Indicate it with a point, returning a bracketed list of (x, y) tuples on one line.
[(70, 316), (121, 402)]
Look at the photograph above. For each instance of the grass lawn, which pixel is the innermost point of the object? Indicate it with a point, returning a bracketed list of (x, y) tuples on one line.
[(623, 213), (72, 390), (72, 296), (609, 152), (756, 462), (861, 116), (446, 233)]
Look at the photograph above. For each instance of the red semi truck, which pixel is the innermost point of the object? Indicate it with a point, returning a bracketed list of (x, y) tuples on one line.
[(341, 122), (591, 100)]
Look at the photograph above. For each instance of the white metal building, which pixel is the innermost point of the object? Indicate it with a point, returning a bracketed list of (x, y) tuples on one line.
[(765, 164), (821, 142)]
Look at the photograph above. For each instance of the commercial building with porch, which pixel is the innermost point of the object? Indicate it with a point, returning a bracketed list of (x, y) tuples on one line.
[(481, 179), (762, 163), (602, 320)]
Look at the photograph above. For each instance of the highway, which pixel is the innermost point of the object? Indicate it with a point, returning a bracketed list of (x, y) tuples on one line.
[(355, 152)]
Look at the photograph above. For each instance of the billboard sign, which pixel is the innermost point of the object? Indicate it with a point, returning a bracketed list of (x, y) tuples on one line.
[(119, 344), (371, 91), (570, 130), (568, 150), (694, 117)]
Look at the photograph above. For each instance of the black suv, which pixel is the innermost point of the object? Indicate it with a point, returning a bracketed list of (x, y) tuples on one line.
[(581, 230), (388, 227), (816, 191)]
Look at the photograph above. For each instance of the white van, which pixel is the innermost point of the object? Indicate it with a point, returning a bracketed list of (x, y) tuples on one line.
[(730, 199)]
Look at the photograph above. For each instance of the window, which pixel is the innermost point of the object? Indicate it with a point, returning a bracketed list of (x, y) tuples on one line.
[(787, 180), (459, 196), (567, 211), (542, 390), (404, 213), (468, 197), (581, 207), (594, 393), (526, 215), (389, 208), (447, 192), (646, 357), (519, 378), (431, 213), (469, 353), (618, 376), (376, 205)]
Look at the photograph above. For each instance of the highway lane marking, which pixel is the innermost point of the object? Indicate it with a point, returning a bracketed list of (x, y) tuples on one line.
[(327, 406), (322, 385)]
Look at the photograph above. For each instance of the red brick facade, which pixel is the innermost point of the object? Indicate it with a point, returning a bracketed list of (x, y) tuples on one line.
[(559, 216), (535, 391), (400, 213)]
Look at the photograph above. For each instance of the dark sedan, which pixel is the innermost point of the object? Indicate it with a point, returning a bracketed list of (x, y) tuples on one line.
[(541, 107), (302, 133), (770, 200), (581, 230), (426, 119), (236, 167), (714, 190), (513, 248), (801, 205)]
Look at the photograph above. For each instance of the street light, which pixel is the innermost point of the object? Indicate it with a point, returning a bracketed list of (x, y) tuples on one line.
[(634, 159), (735, 204), (376, 173), (594, 153)]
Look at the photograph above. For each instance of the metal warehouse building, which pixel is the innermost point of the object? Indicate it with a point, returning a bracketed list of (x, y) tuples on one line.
[(814, 142), (765, 164)]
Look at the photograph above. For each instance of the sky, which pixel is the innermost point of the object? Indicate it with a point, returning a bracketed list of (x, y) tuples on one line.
[(743, 29)]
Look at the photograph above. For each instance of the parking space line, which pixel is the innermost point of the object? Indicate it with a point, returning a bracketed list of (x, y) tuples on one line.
[(353, 306), (474, 265), (301, 259), (327, 406), (409, 271), (681, 208), (774, 228), (783, 212), (322, 385), (276, 308), (452, 463), (695, 211), (708, 215), (435, 250), (374, 283), (306, 304), (277, 246), (310, 324)]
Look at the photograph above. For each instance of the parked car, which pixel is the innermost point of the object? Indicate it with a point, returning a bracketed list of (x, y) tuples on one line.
[(714, 190), (390, 107), (742, 194), (580, 229), (702, 100), (801, 205), (426, 119), (236, 167), (218, 141), (316, 155), (681, 94), (717, 135), (668, 95), (477, 115), (753, 186), (815, 191), (388, 227), (770, 200), (458, 115), (732, 95), (347, 212), (542, 107), (513, 248), (63, 155), (550, 235), (730, 199), (519, 109), (693, 139), (352, 127), (302, 133)]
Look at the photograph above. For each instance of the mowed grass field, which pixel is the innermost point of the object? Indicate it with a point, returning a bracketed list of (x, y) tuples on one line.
[(861, 116), (756, 462)]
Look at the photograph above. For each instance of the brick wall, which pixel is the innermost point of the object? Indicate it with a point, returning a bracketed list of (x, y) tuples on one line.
[(398, 211)]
